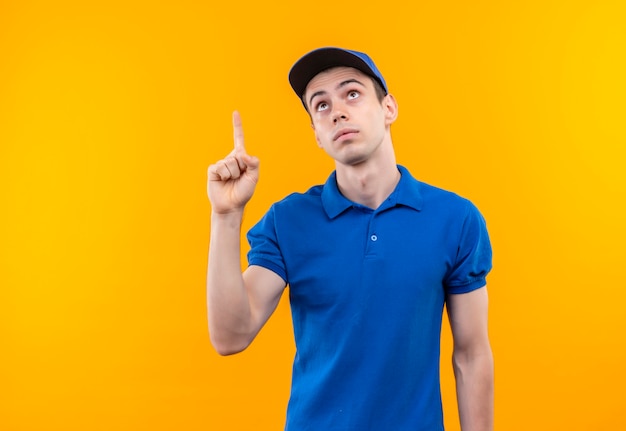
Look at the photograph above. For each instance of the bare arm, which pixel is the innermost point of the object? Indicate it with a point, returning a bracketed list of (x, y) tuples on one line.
[(472, 359), (238, 304)]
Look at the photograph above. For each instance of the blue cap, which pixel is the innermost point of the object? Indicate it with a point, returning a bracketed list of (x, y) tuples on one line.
[(321, 59)]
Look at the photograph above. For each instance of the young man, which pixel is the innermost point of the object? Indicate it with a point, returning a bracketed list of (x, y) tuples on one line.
[(370, 258)]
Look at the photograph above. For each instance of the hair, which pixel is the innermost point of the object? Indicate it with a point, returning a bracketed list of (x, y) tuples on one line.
[(378, 89)]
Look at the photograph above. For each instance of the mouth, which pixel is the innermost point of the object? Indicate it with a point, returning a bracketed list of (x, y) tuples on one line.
[(346, 133)]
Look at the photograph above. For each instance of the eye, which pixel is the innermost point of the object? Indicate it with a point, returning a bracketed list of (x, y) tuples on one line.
[(353, 94), (321, 106)]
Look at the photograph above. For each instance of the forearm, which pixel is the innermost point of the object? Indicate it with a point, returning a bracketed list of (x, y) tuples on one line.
[(227, 299), (474, 386)]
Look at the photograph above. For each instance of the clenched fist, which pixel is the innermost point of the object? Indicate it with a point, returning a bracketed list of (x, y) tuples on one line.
[(232, 180)]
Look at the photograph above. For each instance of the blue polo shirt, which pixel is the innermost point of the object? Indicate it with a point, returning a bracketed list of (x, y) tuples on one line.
[(367, 289)]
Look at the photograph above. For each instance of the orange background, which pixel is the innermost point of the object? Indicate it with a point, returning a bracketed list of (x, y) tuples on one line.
[(110, 113)]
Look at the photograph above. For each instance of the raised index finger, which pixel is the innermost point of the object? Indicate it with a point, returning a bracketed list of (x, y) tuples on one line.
[(238, 132)]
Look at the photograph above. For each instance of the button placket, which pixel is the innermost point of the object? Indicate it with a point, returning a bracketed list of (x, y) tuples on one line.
[(372, 237)]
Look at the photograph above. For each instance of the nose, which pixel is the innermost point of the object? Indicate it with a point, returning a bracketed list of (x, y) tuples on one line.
[(339, 113)]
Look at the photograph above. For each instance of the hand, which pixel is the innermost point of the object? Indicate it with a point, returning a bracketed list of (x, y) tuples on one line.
[(232, 180)]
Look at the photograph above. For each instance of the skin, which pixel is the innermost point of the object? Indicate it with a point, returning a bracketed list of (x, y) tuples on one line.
[(353, 127), (344, 100)]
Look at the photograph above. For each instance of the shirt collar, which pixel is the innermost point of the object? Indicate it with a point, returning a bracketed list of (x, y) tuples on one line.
[(407, 193)]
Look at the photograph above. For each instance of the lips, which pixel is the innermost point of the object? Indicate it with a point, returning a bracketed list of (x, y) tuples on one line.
[(343, 132)]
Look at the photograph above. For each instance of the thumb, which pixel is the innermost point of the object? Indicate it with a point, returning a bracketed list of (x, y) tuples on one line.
[(252, 162)]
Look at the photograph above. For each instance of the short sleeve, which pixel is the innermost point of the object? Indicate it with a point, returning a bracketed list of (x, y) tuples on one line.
[(264, 248), (473, 255)]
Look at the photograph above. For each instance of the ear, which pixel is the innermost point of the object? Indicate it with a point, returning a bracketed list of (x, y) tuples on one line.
[(317, 139), (391, 109)]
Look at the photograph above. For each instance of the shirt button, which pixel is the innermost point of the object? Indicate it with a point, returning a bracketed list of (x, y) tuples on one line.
[(374, 238)]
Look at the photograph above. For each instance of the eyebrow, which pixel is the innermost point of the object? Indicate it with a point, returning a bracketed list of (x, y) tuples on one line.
[(341, 84)]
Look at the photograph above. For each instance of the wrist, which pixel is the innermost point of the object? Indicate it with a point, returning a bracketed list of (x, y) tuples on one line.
[(229, 217)]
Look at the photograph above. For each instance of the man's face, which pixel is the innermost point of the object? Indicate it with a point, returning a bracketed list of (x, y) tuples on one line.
[(350, 122)]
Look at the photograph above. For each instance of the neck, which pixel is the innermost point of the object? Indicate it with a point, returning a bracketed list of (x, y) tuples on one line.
[(369, 183)]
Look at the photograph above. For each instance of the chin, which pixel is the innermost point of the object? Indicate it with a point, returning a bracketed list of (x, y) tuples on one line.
[(352, 161)]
